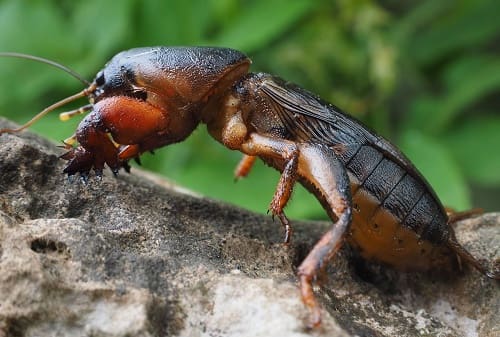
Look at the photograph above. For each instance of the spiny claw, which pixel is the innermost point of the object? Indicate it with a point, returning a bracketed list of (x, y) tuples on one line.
[(79, 160), (84, 177), (126, 166), (98, 174), (284, 222), (67, 155), (82, 161)]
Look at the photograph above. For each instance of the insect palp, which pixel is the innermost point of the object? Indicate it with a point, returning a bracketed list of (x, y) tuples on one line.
[(64, 116), (85, 92)]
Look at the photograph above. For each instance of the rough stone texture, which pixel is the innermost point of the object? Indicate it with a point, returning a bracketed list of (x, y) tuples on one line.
[(130, 256)]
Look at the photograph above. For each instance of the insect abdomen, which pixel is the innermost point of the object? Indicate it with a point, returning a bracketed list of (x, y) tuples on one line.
[(396, 218)]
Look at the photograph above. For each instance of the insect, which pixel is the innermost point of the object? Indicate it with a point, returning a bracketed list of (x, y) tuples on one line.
[(379, 203)]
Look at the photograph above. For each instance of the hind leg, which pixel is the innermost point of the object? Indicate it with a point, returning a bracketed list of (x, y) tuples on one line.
[(454, 216), (320, 171), (324, 250), (480, 264), (323, 173)]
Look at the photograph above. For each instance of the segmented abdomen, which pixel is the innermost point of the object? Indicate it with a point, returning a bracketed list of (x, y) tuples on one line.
[(396, 218)]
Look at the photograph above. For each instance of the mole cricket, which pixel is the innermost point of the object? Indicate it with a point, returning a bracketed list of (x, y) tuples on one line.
[(379, 203)]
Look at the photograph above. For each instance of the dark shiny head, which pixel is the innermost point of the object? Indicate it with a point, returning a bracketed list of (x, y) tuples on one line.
[(160, 74)]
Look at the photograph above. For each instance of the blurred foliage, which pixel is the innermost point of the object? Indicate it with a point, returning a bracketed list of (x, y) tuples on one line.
[(425, 74)]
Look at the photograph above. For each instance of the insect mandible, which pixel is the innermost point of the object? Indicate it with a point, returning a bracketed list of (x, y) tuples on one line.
[(379, 203)]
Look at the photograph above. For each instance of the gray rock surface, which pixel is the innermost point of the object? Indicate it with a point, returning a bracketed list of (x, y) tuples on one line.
[(132, 256)]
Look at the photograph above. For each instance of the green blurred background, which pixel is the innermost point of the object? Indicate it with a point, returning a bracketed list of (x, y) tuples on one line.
[(425, 74)]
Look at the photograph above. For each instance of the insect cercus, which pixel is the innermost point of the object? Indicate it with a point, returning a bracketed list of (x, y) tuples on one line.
[(146, 98)]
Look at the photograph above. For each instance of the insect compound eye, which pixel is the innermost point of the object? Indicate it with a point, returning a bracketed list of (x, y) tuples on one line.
[(99, 79)]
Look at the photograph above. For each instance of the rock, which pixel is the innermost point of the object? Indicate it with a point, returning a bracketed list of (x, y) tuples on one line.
[(130, 256)]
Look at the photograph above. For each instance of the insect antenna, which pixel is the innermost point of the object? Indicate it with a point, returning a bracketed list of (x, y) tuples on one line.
[(84, 93), (49, 62)]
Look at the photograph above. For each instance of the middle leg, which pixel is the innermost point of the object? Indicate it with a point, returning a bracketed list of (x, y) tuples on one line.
[(285, 155)]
